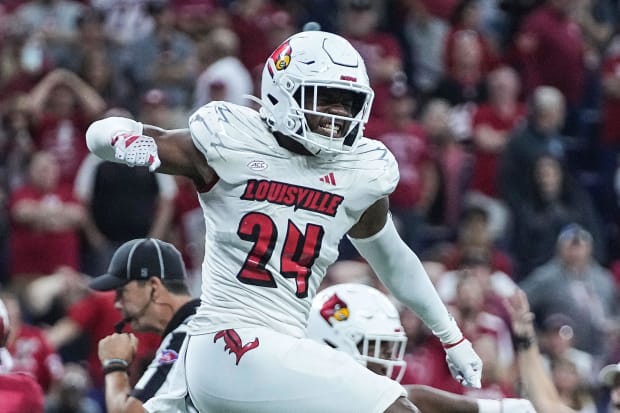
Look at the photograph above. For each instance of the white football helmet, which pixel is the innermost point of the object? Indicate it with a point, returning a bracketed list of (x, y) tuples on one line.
[(361, 321), (301, 67)]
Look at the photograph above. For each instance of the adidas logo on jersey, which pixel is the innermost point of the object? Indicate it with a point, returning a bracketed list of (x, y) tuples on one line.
[(329, 179)]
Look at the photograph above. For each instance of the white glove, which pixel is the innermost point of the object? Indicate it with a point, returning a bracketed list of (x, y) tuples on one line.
[(136, 150), (464, 363), (505, 406)]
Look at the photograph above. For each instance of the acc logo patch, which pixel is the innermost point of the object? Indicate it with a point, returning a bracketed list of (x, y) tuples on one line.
[(281, 57), (167, 357), (258, 165)]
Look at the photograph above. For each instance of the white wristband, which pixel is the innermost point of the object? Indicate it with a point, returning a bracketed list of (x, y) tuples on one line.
[(100, 134), (489, 406)]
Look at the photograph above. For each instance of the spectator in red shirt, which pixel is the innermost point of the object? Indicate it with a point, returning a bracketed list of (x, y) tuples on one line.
[(492, 125), (19, 392), (31, 351), (63, 105), (493, 122), (550, 50), (25, 62), (466, 16), (247, 19), (45, 222)]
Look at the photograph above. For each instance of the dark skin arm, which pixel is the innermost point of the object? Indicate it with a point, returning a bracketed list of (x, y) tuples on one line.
[(179, 156), (372, 221)]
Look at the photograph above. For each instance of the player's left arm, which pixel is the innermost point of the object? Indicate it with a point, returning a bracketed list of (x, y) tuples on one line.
[(399, 268)]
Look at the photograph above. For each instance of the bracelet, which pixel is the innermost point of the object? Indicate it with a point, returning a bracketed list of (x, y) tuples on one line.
[(112, 365), (115, 362), (522, 343), (115, 367)]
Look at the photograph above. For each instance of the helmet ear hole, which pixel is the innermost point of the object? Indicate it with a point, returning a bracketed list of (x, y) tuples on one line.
[(291, 124), (289, 84)]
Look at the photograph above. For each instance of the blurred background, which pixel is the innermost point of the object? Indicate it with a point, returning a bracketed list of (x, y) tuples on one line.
[(504, 116)]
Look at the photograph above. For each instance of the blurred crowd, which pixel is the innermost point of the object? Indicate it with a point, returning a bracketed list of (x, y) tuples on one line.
[(504, 116)]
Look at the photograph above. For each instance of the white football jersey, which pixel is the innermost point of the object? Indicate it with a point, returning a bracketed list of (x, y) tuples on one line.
[(274, 218)]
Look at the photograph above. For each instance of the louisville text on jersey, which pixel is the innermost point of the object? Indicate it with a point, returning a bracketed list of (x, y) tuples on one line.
[(296, 196)]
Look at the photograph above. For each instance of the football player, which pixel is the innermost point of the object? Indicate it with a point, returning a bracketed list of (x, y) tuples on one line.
[(280, 188), (361, 321)]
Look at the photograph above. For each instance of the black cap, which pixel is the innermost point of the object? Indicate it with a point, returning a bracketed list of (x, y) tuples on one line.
[(140, 259)]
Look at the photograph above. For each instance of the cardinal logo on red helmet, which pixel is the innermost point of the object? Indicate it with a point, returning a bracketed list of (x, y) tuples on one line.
[(334, 308)]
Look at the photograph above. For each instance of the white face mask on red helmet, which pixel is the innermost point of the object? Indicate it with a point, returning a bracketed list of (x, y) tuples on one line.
[(304, 64), (361, 321)]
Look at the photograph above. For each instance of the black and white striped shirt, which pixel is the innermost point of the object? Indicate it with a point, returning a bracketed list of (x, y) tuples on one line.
[(156, 374)]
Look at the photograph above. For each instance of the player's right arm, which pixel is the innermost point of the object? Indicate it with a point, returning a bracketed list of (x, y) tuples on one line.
[(126, 141), (432, 400)]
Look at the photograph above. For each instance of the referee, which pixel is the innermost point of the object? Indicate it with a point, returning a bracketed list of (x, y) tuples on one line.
[(152, 294)]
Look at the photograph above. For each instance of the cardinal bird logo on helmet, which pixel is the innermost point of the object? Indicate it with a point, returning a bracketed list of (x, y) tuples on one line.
[(334, 308), (281, 57)]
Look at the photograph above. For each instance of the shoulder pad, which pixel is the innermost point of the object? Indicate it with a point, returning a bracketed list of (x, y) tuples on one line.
[(221, 127), (378, 166)]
